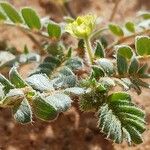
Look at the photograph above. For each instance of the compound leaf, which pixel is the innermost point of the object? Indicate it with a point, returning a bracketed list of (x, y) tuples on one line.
[(120, 119), (139, 82)]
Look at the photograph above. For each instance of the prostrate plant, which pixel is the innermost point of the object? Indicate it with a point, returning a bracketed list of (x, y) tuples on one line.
[(49, 89)]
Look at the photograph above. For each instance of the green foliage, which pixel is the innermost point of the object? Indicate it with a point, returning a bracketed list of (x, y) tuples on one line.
[(28, 17), (11, 12), (74, 63), (23, 96), (120, 119), (128, 66), (48, 108), (145, 14), (31, 18), (97, 72), (16, 79), (75, 91), (104, 41), (2, 16), (122, 64), (130, 26), (142, 45), (61, 102), (6, 83), (2, 94), (48, 65), (99, 51), (134, 66), (22, 113), (40, 82), (125, 51), (43, 109), (106, 65), (12, 98), (54, 30), (115, 29), (65, 78), (142, 69)]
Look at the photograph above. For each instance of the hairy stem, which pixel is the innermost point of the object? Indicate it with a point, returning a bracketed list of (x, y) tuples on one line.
[(97, 33), (89, 49), (109, 49), (41, 34)]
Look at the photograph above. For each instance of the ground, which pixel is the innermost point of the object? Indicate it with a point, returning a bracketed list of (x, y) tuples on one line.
[(72, 130)]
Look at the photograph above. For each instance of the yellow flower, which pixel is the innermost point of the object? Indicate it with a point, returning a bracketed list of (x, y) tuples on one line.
[(82, 27)]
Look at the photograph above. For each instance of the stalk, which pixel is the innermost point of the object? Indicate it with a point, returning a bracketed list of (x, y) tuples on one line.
[(97, 33), (89, 49)]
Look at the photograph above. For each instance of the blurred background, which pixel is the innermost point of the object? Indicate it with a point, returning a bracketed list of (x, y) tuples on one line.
[(73, 130)]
